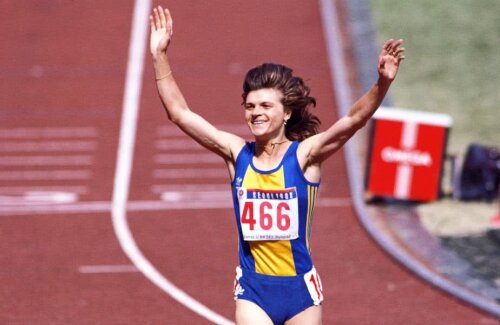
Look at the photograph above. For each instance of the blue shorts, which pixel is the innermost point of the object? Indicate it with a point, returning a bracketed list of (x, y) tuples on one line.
[(281, 297)]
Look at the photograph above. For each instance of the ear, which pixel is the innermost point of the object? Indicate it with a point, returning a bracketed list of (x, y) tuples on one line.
[(288, 113)]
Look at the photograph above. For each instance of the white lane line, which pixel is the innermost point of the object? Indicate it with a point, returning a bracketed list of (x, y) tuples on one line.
[(38, 198), (48, 132), (104, 207), (77, 208), (334, 202), (13, 190), (133, 84), (180, 173), (93, 269), (190, 187), (202, 199), (220, 201), (196, 196), (45, 175), (47, 146), (146, 205), (73, 160), (188, 158), (179, 205)]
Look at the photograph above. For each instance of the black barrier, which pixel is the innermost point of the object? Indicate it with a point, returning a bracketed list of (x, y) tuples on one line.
[(480, 175)]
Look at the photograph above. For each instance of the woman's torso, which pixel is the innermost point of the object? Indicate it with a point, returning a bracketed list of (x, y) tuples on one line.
[(274, 210)]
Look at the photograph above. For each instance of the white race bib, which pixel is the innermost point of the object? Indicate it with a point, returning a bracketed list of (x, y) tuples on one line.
[(314, 286), (269, 214)]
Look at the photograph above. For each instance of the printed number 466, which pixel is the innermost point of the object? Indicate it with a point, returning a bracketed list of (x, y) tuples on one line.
[(265, 215)]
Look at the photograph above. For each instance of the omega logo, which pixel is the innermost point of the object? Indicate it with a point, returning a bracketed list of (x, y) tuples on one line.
[(408, 157)]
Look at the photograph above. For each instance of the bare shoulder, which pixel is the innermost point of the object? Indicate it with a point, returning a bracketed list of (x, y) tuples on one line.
[(234, 142), (311, 168), (304, 150), (235, 145)]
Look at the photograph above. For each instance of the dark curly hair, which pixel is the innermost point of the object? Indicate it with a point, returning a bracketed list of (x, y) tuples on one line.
[(302, 123)]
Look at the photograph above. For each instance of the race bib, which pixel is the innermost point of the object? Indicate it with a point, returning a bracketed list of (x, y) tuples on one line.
[(314, 286), (269, 214)]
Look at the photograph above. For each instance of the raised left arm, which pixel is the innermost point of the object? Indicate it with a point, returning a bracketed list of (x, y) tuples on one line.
[(321, 146)]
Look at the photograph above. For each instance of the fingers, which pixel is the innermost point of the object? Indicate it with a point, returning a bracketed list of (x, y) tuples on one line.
[(152, 23), (392, 44), (387, 46), (161, 15), (168, 21), (398, 53), (392, 47), (156, 18), (161, 18)]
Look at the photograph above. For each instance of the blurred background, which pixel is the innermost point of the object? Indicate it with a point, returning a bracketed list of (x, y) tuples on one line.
[(452, 67)]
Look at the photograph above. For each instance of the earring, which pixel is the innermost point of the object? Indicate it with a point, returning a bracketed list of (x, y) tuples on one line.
[(284, 122)]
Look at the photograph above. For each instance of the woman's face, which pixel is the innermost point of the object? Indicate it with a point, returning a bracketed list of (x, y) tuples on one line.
[(265, 113)]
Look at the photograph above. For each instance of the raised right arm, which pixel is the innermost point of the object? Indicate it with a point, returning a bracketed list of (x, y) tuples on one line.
[(222, 143)]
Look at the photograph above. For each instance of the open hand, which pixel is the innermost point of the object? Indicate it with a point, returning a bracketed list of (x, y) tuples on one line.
[(389, 59), (161, 30)]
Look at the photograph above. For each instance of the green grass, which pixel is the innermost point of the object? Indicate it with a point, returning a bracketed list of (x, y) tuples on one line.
[(452, 62)]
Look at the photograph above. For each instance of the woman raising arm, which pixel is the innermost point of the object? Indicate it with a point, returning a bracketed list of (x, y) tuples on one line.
[(222, 143), (274, 178)]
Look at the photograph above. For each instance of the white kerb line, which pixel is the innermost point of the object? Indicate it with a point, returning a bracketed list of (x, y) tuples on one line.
[(133, 85)]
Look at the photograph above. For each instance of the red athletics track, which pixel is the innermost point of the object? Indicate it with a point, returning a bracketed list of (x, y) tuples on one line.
[(63, 69)]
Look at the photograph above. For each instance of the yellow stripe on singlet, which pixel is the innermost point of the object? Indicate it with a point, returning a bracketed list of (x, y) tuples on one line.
[(271, 257), (311, 200)]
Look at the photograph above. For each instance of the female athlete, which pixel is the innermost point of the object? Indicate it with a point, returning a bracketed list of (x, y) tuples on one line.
[(274, 178)]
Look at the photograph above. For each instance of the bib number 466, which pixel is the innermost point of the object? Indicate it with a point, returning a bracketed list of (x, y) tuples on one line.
[(266, 211), (268, 215)]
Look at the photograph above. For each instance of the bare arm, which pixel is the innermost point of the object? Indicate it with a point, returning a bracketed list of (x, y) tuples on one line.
[(321, 146), (222, 143)]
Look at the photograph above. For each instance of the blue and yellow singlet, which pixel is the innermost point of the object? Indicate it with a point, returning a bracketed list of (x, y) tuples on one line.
[(274, 212)]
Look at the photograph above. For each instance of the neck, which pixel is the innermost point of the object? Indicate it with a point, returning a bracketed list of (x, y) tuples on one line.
[(270, 147)]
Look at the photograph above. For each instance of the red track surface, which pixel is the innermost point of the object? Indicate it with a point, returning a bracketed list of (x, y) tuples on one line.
[(63, 65)]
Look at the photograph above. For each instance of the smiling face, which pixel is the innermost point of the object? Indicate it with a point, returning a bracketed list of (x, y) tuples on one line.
[(265, 113)]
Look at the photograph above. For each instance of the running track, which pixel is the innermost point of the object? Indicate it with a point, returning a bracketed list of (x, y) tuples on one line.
[(64, 69)]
